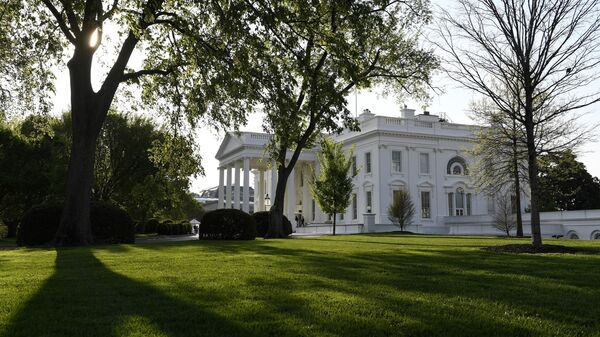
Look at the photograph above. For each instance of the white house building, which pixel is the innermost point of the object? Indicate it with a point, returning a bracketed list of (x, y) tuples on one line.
[(421, 153)]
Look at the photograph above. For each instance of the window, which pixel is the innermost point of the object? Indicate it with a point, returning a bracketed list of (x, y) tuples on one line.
[(457, 169), (424, 162), (396, 161), (491, 205), (513, 204), (369, 202), (341, 216), (425, 205), (457, 166), (394, 194), (313, 209), (301, 179), (368, 162), (468, 203), (354, 169), (450, 204), (354, 207), (459, 204)]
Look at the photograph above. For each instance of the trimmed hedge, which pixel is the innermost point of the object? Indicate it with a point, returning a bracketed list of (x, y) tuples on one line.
[(170, 227), (227, 224), (110, 224), (262, 224), (152, 226), (3, 230)]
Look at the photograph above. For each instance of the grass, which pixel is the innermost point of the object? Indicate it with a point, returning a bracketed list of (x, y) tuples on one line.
[(359, 285)]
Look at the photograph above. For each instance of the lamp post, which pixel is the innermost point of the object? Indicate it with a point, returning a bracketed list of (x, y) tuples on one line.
[(267, 201)]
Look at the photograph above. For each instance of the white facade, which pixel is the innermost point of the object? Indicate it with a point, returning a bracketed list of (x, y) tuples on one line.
[(422, 154)]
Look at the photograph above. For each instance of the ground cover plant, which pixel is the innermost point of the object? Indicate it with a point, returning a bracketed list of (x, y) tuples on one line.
[(352, 285)]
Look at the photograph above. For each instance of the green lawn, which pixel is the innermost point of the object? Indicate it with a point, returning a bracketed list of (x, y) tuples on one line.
[(360, 285)]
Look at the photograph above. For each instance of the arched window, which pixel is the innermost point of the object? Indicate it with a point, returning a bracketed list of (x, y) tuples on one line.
[(457, 166)]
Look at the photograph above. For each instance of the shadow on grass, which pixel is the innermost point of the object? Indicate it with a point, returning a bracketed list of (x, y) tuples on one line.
[(84, 298), (320, 287)]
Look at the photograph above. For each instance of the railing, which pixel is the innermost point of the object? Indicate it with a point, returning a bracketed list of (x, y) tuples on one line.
[(395, 121), (422, 124)]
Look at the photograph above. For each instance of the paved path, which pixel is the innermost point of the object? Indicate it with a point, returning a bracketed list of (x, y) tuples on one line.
[(165, 238)]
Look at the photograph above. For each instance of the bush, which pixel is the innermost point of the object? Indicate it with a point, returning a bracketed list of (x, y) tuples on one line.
[(152, 226), (110, 224), (3, 230), (227, 224), (140, 227), (262, 224), (165, 227), (39, 224)]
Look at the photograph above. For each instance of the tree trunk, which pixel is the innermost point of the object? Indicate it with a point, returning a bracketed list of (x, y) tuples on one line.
[(88, 111), (536, 234), (334, 216), (276, 211)]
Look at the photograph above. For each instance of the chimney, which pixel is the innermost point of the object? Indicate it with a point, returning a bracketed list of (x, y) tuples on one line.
[(365, 115), (426, 113), (407, 113)]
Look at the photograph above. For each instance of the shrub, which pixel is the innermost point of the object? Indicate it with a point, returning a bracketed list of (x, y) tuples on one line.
[(12, 228), (152, 225), (39, 224), (165, 227), (227, 224), (262, 223), (110, 224), (3, 230), (140, 227)]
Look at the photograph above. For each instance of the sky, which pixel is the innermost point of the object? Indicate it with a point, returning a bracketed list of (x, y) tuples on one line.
[(451, 99)]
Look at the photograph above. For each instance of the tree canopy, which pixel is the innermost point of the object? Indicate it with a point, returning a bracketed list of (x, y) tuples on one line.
[(308, 57), (333, 185), (566, 184), (139, 166)]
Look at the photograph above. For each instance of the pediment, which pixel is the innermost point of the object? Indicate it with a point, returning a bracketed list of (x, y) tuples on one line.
[(230, 143)]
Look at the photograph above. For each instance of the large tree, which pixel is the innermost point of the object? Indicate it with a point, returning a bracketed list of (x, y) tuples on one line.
[(144, 168), (546, 52), (309, 56), (566, 184), (190, 59)]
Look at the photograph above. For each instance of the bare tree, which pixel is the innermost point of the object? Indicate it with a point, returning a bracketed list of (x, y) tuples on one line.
[(500, 155), (504, 218), (544, 51)]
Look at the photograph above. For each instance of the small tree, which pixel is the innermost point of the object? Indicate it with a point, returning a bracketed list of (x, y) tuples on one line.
[(504, 219), (402, 209), (332, 188)]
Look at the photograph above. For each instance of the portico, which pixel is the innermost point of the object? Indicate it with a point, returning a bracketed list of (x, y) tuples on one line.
[(242, 155)]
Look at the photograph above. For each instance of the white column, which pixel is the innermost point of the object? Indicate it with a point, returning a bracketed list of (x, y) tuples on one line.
[(319, 216), (228, 189), (236, 189), (378, 191), (246, 192), (261, 192), (291, 193), (305, 193), (273, 183), (256, 190), (221, 190)]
